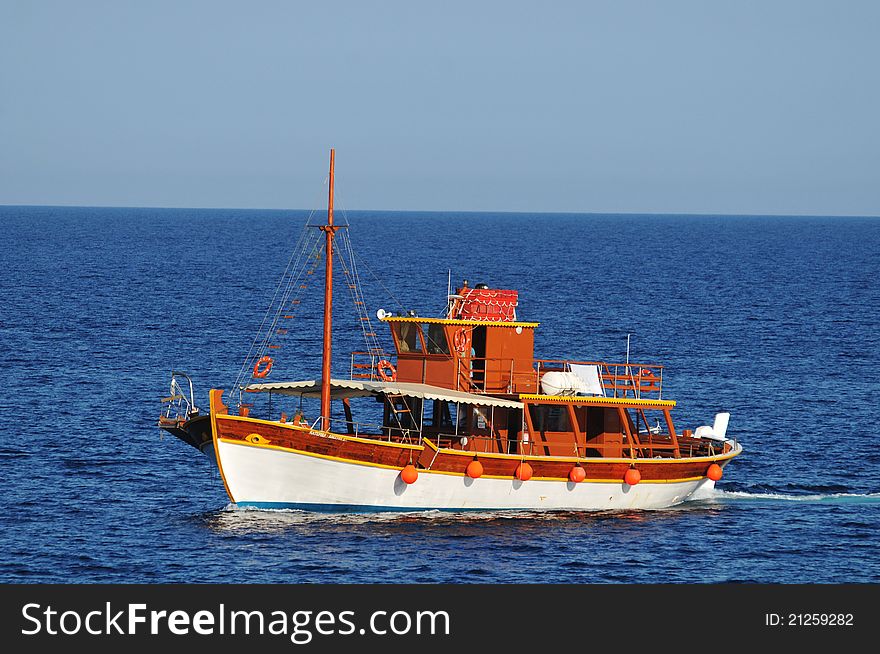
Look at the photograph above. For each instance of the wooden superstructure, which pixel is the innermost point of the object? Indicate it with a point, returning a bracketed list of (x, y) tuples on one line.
[(496, 357)]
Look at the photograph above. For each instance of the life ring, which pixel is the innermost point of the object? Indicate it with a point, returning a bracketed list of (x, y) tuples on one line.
[(460, 341), (260, 373), (387, 372), (651, 378)]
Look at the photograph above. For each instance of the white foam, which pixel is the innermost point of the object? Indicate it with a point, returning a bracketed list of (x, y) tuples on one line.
[(786, 497), (243, 515)]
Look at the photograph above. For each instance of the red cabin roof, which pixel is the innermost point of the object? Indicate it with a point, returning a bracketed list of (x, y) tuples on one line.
[(488, 304)]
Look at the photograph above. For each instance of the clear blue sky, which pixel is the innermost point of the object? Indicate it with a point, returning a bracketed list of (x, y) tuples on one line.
[(738, 106)]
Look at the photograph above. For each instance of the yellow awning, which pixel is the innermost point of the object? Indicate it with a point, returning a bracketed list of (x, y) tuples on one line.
[(598, 400)]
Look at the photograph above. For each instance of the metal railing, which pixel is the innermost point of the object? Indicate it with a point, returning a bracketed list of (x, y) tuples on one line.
[(368, 430), (618, 379), (415, 436), (489, 375), (499, 375), (178, 406)]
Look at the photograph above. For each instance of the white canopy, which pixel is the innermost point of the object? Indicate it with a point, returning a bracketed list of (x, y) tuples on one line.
[(590, 378), (340, 388)]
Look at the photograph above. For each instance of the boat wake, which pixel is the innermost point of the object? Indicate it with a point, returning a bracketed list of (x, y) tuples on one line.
[(233, 518), (722, 495), (433, 515), (251, 510)]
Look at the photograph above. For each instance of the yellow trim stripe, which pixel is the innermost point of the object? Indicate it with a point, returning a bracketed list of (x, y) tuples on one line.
[(572, 459), (442, 472), (447, 321), (602, 401)]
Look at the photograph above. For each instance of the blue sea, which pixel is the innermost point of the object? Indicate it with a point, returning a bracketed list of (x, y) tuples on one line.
[(774, 319)]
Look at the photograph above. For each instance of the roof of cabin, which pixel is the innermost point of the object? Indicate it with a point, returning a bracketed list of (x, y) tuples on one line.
[(342, 388), (470, 323)]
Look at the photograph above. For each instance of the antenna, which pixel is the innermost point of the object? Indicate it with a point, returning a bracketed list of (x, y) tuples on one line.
[(449, 298), (627, 352)]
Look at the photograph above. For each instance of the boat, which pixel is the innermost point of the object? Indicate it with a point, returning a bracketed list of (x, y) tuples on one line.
[(460, 415)]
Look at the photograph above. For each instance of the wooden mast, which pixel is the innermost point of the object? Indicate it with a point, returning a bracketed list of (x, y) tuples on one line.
[(329, 229)]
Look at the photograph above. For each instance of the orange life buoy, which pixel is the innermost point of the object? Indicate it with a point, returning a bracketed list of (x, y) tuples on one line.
[(387, 372), (651, 378), (260, 373), (460, 341)]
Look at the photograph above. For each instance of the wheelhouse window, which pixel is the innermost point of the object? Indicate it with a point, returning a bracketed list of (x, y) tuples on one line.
[(443, 415), (435, 340), (549, 417), (648, 422), (408, 337)]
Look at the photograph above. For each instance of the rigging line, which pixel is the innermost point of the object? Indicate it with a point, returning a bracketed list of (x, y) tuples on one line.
[(297, 255), (381, 283), (313, 255), (274, 330), (340, 200), (295, 290), (356, 293), (294, 278), (307, 261), (291, 278), (443, 313), (353, 293), (373, 345), (360, 290), (307, 265), (297, 250)]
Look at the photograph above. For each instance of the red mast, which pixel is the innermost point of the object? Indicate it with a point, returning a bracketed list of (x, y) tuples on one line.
[(329, 229)]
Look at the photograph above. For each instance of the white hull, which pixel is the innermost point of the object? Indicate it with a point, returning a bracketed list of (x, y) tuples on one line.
[(270, 478)]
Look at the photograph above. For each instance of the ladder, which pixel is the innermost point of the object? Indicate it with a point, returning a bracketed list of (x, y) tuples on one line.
[(402, 414)]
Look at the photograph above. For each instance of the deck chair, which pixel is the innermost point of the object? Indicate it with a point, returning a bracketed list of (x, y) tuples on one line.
[(720, 426), (717, 432)]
